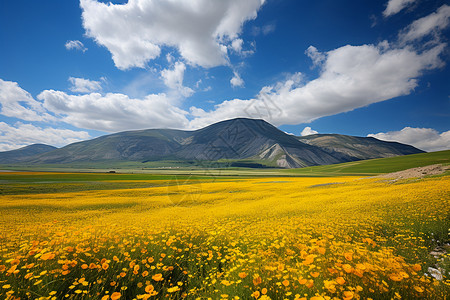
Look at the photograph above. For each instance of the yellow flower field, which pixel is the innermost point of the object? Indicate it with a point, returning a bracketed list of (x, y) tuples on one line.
[(265, 238)]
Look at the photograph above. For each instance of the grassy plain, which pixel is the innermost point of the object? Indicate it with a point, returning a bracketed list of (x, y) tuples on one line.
[(357, 168), (139, 236)]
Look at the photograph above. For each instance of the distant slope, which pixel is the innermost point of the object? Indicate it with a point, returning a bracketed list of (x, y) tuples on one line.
[(242, 141), (358, 147), (377, 166), (24, 153), (129, 145), (232, 139)]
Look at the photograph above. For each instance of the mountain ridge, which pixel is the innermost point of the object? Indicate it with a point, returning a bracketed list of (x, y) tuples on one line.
[(229, 140)]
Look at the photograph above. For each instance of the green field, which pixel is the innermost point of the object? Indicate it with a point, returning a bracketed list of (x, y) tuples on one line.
[(141, 171), (377, 166)]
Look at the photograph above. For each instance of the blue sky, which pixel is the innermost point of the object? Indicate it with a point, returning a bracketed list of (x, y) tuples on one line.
[(73, 70)]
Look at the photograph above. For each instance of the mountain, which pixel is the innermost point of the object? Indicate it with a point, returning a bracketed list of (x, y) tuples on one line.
[(240, 141), (357, 148), (24, 153)]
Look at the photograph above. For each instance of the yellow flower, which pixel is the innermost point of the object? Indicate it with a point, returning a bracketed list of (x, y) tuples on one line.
[(157, 277), (173, 289)]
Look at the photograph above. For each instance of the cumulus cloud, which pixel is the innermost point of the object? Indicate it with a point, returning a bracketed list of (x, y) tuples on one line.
[(173, 78), (431, 24), (114, 112), (17, 103), (199, 29), (81, 85), (236, 81), (308, 131), (351, 77), (395, 6), (427, 139), (75, 45), (20, 135)]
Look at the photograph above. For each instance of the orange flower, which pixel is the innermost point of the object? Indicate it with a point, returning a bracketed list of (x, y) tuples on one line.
[(84, 266), (417, 267), (340, 280), (257, 280), (105, 266), (157, 277), (264, 291), (115, 296), (285, 282), (256, 294), (348, 295), (149, 288), (144, 274), (48, 256), (395, 277), (347, 268), (418, 289), (122, 274), (322, 250), (243, 275), (348, 256), (315, 274)]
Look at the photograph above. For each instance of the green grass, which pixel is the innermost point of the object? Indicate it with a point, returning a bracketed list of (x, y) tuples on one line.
[(155, 170), (377, 166)]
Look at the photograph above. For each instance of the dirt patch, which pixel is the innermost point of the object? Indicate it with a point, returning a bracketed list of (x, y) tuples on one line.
[(417, 172)]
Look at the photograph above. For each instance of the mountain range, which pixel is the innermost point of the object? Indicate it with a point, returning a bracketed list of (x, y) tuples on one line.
[(241, 141)]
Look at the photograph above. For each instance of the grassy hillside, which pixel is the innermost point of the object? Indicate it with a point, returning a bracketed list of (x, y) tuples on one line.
[(377, 166)]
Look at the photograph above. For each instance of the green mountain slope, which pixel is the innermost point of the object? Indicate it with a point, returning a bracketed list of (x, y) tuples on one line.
[(243, 142), (24, 153), (377, 166)]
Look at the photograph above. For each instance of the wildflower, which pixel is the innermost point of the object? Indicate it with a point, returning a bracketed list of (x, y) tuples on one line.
[(157, 277), (115, 296), (340, 280), (173, 289), (255, 294)]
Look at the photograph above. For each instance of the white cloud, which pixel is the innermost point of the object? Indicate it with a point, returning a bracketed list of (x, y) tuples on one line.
[(308, 131), (236, 45), (20, 135), (431, 24), (81, 85), (265, 30), (174, 79), (236, 81), (427, 139), (114, 112), (351, 77), (395, 6), (18, 103), (316, 56), (75, 45), (199, 29)]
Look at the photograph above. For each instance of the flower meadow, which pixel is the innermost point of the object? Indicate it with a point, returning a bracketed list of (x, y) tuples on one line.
[(248, 238)]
